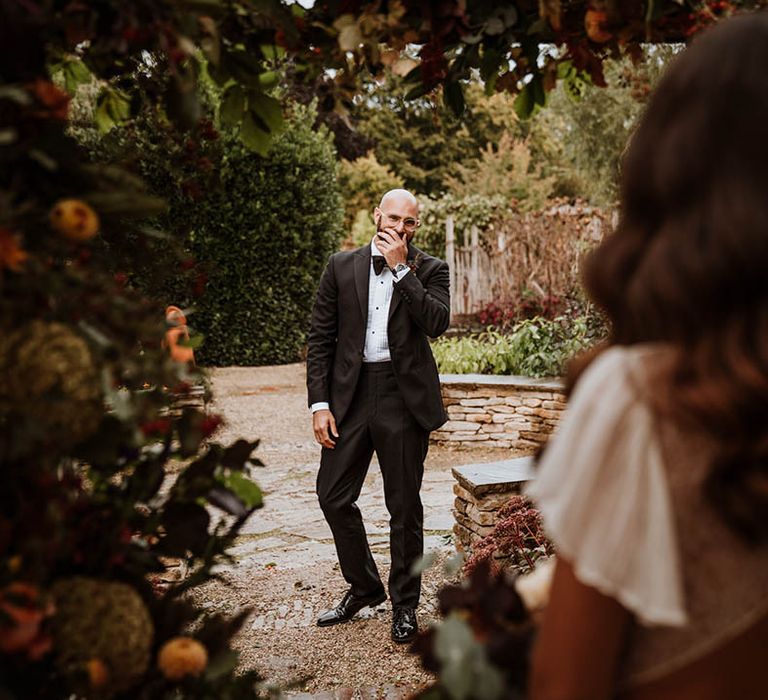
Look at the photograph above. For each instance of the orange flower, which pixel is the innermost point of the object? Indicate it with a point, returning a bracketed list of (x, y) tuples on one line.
[(594, 23), (24, 610), (98, 673), (182, 656), (74, 219), (54, 100), (11, 254)]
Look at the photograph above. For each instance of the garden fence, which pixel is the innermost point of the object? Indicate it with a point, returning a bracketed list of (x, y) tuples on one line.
[(532, 253)]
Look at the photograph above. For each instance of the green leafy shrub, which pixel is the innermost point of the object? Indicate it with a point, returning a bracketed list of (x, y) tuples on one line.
[(506, 170), (534, 348), (256, 230), (471, 209), (264, 244)]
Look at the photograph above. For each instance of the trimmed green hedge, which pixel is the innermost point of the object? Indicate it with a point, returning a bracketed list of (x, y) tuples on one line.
[(264, 244), (258, 229)]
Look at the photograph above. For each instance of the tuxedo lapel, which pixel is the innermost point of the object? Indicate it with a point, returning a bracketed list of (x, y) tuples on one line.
[(396, 299), (362, 265)]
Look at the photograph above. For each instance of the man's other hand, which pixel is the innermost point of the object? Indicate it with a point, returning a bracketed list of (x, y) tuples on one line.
[(324, 425)]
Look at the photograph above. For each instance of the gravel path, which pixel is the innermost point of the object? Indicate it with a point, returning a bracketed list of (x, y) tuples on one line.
[(286, 568)]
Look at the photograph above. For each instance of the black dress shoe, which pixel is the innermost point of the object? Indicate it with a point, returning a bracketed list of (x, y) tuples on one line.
[(349, 606), (404, 625)]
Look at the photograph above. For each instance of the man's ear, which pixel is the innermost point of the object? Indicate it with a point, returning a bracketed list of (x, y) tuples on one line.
[(376, 216)]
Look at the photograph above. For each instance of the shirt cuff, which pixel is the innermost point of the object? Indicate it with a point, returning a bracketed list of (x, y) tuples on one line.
[(320, 406), (401, 274)]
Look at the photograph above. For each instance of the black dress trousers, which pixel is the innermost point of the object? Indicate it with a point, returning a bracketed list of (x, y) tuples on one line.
[(379, 421)]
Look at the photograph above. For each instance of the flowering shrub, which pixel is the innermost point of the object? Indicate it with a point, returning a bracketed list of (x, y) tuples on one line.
[(91, 409), (517, 540), (503, 314)]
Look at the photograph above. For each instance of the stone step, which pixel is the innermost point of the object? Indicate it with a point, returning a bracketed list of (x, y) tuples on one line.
[(508, 475), (481, 490)]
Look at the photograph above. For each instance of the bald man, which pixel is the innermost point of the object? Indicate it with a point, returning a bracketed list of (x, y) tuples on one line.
[(373, 387)]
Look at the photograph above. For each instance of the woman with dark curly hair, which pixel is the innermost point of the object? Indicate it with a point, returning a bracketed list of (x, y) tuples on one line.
[(655, 488)]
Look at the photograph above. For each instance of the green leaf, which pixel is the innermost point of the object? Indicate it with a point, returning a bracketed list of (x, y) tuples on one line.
[(253, 136), (539, 93), (490, 63), (244, 67), (417, 91), (245, 489), (16, 94), (269, 79), (524, 102), (219, 74), (102, 117), (494, 26), (540, 26), (272, 53), (113, 107), (221, 664), (453, 95), (426, 561), (232, 106), (119, 106), (268, 109), (76, 73), (464, 668)]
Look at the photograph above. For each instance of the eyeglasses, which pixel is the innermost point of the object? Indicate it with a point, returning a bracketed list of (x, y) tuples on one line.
[(409, 223)]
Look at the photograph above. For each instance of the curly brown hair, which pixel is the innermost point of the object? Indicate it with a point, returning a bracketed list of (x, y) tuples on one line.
[(688, 264)]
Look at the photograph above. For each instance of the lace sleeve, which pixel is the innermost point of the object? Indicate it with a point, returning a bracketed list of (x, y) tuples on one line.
[(602, 491)]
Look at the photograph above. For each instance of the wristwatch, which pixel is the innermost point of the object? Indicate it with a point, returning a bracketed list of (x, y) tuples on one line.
[(400, 267)]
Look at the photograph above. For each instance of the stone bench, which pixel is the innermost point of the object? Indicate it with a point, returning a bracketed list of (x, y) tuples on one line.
[(480, 490), (499, 411)]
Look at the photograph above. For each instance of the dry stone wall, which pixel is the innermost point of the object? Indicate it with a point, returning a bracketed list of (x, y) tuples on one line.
[(499, 411)]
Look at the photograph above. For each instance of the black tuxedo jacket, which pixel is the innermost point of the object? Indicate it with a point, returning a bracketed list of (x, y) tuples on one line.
[(420, 307)]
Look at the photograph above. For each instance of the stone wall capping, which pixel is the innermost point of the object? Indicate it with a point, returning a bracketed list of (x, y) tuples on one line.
[(473, 381)]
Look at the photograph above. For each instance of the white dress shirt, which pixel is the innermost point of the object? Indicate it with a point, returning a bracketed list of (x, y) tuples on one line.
[(380, 289)]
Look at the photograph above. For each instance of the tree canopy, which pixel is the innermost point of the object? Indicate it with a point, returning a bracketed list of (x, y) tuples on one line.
[(154, 51)]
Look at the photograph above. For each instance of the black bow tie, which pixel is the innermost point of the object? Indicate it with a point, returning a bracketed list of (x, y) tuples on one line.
[(379, 263)]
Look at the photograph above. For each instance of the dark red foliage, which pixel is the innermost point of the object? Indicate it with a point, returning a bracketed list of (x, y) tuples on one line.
[(518, 534), (210, 425), (156, 428), (506, 313), (491, 606)]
